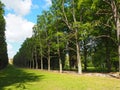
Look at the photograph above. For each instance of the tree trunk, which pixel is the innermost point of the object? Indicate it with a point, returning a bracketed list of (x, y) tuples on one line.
[(48, 57), (59, 56), (77, 42), (36, 62), (33, 63), (118, 38), (60, 63), (41, 62), (67, 59), (41, 58), (41, 53), (30, 64), (78, 54), (117, 24)]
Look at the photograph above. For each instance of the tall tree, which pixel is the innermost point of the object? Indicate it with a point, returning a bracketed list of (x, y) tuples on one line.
[(64, 8), (111, 10), (3, 45), (115, 8)]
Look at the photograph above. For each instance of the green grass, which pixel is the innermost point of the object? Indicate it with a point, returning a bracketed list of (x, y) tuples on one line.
[(13, 78)]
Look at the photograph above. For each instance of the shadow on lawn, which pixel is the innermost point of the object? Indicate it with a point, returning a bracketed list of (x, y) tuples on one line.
[(12, 75)]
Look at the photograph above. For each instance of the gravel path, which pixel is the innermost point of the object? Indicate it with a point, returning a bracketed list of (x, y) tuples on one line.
[(111, 75)]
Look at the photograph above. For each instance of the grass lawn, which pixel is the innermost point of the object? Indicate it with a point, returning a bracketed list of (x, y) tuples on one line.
[(13, 78)]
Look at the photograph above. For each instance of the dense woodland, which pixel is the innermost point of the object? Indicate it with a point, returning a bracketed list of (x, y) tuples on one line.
[(3, 45), (74, 35)]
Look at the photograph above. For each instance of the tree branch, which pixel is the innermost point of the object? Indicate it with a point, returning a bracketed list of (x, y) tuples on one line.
[(66, 19)]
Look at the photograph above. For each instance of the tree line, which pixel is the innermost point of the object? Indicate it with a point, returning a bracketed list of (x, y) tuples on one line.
[(74, 34), (3, 45)]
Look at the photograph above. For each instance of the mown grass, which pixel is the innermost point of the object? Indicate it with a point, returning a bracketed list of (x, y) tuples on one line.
[(13, 78)]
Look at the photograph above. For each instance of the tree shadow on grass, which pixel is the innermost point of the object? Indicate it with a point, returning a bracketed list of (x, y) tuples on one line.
[(12, 75)]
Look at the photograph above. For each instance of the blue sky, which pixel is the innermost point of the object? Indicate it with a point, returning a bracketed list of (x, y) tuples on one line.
[(21, 16)]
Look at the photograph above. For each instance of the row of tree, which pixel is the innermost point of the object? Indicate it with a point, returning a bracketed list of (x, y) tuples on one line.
[(74, 34), (3, 45)]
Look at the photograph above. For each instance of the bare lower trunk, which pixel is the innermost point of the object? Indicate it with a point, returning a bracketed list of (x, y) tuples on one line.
[(30, 64), (85, 61), (33, 63), (119, 59), (118, 37), (67, 59), (48, 58), (60, 64), (36, 62), (48, 63), (78, 55), (78, 59), (41, 58), (60, 61), (41, 63), (67, 65)]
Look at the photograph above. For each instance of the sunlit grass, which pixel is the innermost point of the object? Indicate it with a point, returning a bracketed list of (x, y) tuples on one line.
[(26, 79)]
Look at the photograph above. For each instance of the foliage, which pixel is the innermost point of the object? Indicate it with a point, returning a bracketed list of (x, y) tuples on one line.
[(83, 30), (3, 45)]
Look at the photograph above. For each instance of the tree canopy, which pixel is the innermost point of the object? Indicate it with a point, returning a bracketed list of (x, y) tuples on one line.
[(74, 34), (3, 45)]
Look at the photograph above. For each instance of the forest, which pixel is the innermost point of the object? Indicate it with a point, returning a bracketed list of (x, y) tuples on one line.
[(74, 35)]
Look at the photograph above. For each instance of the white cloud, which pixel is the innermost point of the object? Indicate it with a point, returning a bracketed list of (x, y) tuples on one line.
[(20, 7), (48, 2), (17, 28), (35, 6)]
